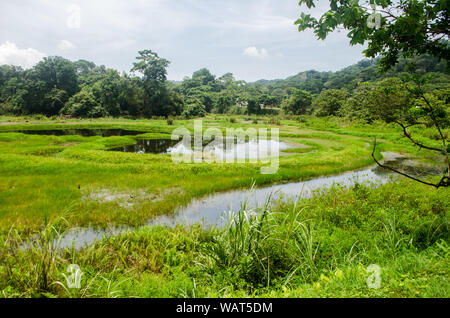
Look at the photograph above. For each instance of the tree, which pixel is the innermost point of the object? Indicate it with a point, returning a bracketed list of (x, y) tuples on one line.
[(151, 66), (194, 110), (54, 101), (389, 100), (173, 105), (107, 92), (329, 102), (158, 101), (253, 106), (357, 106), (398, 27), (84, 67), (56, 72), (226, 79), (83, 104), (204, 76), (298, 103), (12, 90), (131, 97), (207, 100), (224, 102), (273, 101), (53, 74), (428, 109), (189, 84), (402, 27)]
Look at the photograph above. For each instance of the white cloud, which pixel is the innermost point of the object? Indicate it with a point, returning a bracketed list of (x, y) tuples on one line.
[(66, 45), (254, 52), (10, 54), (191, 33)]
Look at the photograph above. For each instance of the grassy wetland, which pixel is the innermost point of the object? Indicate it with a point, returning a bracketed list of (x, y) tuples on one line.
[(316, 247), (103, 193)]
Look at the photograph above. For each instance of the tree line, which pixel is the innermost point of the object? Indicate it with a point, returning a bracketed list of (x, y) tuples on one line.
[(57, 86), (360, 92)]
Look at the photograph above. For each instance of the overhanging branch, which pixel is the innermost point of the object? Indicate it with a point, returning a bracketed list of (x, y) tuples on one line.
[(445, 181), (408, 135)]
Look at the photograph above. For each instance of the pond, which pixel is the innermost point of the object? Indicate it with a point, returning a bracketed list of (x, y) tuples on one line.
[(154, 146), (214, 209), (226, 150), (244, 149)]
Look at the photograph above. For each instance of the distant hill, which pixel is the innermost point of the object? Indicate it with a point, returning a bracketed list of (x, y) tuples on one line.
[(349, 77)]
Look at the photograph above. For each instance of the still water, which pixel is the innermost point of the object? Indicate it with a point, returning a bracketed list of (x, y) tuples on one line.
[(155, 146), (225, 151), (214, 209)]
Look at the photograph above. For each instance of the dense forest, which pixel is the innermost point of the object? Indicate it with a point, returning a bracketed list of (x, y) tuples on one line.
[(57, 86)]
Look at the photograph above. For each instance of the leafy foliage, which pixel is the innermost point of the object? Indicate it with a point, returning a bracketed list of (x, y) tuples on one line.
[(329, 102), (405, 27), (49, 87), (298, 103)]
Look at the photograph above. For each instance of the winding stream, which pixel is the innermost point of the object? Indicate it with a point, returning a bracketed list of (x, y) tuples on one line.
[(213, 210)]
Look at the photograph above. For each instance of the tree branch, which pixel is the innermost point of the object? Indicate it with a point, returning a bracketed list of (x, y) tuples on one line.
[(436, 123), (444, 182), (408, 135)]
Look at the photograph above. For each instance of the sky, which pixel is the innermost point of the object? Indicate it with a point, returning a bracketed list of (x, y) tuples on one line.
[(253, 39)]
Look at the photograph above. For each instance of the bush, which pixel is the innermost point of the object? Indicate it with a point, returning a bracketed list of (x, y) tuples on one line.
[(236, 110), (10, 108), (194, 110), (329, 102), (83, 104), (298, 103), (39, 117)]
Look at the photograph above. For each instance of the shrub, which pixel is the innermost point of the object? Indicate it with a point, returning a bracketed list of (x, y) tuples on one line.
[(194, 110), (83, 104)]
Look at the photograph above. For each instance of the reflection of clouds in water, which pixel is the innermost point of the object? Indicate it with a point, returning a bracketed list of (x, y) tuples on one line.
[(212, 210), (253, 149), (181, 149)]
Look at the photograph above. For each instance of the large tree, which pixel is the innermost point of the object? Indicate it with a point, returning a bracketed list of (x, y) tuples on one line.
[(428, 108), (47, 84), (389, 27), (298, 103), (394, 28), (159, 100), (204, 76), (329, 102)]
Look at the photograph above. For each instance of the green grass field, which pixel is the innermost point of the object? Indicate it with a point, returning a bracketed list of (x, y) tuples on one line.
[(320, 247)]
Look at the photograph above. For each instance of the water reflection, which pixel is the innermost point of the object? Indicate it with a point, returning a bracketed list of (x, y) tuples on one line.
[(230, 150), (224, 150), (155, 146), (214, 209)]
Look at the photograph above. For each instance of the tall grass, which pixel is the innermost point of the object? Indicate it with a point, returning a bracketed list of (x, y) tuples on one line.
[(261, 245), (43, 253), (319, 247)]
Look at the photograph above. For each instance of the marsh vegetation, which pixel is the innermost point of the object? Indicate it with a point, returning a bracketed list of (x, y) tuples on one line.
[(284, 247), (89, 188)]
